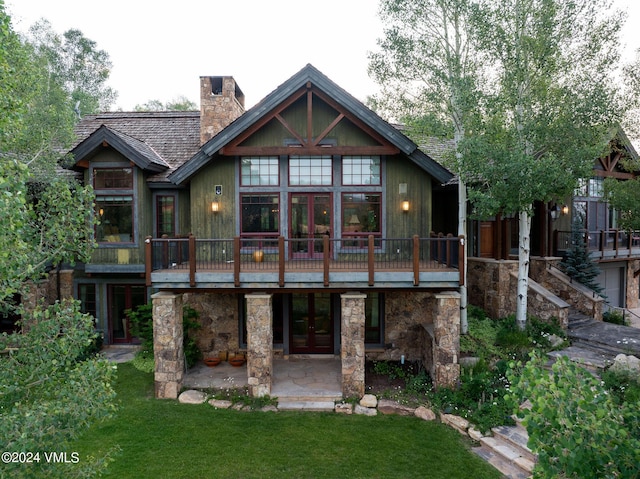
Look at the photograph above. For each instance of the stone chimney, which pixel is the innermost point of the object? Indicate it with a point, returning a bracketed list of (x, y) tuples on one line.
[(221, 102)]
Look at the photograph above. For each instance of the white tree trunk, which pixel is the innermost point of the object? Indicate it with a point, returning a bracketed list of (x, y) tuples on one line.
[(523, 268), (462, 265)]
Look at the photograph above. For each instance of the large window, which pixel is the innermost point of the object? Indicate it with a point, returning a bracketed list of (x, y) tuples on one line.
[(310, 171), (361, 170), (114, 188), (115, 216), (259, 217), (259, 171), (361, 216)]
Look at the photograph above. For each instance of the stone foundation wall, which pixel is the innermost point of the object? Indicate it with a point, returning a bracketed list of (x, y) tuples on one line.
[(218, 318), (545, 271), (405, 313), (489, 285)]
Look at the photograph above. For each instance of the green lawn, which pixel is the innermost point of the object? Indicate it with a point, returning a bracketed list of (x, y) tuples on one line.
[(165, 439)]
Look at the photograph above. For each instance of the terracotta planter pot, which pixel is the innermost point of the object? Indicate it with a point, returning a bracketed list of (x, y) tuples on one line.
[(212, 362), (236, 362)]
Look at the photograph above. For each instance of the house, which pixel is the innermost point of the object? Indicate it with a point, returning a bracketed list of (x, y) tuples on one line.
[(493, 245), (304, 225)]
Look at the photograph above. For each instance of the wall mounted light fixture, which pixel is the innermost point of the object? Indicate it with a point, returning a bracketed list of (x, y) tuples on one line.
[(565, 209), (405, 205), (554, 212), (215, 206)]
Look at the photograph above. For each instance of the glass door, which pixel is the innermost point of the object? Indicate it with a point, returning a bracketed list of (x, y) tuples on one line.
[(312, 323), (122, 298), (310, 221)]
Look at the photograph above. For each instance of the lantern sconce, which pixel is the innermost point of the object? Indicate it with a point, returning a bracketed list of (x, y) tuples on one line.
[(405, 205), (565, 210), (554, 212), (215, 204)]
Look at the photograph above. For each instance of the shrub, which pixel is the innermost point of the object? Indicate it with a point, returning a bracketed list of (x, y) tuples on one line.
[(615, 317), (574, 424)]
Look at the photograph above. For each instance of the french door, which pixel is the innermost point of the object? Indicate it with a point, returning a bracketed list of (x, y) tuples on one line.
[(312, 323), (123, 297), (310, 219)]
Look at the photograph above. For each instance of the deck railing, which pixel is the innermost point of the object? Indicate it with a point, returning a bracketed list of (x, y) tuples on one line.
[(612, 242), (322, 254)]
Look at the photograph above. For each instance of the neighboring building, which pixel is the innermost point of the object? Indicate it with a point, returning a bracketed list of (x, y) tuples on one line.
[(617, 252), (304, 225)]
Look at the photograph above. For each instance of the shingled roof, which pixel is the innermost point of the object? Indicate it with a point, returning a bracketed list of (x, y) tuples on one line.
[(163, 139)]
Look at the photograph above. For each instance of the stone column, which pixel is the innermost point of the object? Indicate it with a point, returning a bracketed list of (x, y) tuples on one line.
[(168, 348), (259, 343), (446, 339), (352, 344), (66, 283)]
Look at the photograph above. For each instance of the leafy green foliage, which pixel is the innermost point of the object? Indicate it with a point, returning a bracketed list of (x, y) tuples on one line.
[(181, 103), (615, 317), (574, 425), (624, 196), (51, 227), (51, 388)]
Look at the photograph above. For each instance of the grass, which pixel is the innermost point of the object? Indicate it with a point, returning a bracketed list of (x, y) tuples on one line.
[(161, 438)]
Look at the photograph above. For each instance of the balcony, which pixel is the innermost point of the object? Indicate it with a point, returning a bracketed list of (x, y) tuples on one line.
[(317, 262), (602, 244)]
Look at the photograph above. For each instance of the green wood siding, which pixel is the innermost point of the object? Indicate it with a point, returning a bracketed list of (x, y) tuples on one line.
[(418, 219), (344, 133), (205, 223)]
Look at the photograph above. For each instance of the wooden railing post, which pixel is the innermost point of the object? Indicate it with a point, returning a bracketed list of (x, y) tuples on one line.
[(370, 260), (281, 261), (462, 251), (325, 258), (236, 261), (192, 260), (416, 260), (448, 249), (165, 251), (148, 260)]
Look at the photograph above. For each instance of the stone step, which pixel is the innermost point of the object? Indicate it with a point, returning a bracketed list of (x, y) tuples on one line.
[(593, 359), (507, 467), (295, 405), (517, 437)]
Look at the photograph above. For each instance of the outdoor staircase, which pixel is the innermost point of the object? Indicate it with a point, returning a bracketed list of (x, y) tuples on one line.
[(507, 451), (595, 344)]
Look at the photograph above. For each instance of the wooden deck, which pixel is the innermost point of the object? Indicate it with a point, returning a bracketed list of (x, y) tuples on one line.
[(404, 266)]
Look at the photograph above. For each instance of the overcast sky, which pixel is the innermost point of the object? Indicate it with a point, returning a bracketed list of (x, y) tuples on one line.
[(160, 49)]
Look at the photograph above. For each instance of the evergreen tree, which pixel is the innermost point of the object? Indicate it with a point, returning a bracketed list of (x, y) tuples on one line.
[(578, 264)]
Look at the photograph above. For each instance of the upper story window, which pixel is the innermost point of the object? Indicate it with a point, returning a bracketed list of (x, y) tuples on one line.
[(114, 209), (361, 170), (113, 178), (591, 188), (259, 171), (166, 215), (310, 171), (115, 214)]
